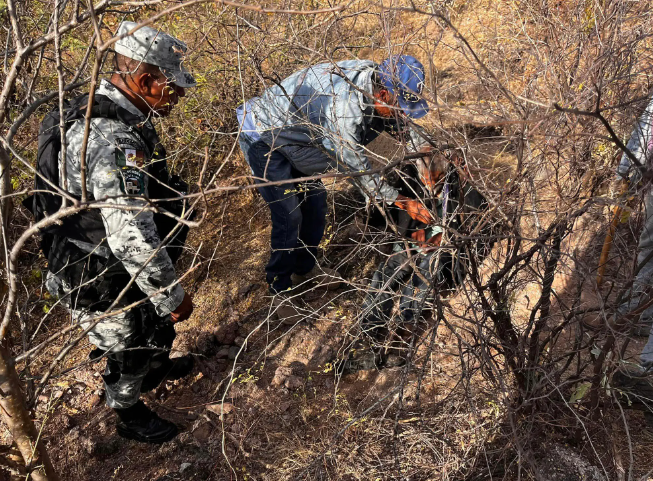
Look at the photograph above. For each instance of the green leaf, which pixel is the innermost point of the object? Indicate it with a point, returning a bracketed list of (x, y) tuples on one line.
[(580, 392)]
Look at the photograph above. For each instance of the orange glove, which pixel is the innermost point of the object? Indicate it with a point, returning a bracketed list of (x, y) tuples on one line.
[(414, 208), (420, 237)]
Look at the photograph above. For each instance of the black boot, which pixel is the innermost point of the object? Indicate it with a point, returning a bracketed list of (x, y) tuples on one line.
[(361, 358), (139, 423), (170, 369)]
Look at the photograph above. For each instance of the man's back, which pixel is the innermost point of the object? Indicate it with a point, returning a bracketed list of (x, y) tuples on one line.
[(315, 102)]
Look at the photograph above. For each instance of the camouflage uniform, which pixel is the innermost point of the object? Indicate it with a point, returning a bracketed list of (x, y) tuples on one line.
[(116, 155), (640, 145)]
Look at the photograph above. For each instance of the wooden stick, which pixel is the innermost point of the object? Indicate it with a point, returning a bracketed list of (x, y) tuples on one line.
[(609, 237)]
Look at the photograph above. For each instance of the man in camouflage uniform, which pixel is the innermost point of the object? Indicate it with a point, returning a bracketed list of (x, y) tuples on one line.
[(120, 161)]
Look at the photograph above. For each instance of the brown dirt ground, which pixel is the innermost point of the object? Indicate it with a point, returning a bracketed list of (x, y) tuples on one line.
[(272, 429)]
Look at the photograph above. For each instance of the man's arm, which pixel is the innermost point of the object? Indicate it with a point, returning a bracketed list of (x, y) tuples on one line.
[(132, 234), (345, 144)]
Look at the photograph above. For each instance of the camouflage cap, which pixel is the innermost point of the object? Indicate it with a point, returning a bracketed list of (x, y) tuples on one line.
[(152, 46)]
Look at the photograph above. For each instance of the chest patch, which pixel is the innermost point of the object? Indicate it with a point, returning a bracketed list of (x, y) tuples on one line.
[(130, 157), (133, 182)]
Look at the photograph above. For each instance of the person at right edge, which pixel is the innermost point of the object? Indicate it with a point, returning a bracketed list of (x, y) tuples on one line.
[(317, 119), (636, 380), (94, 254)]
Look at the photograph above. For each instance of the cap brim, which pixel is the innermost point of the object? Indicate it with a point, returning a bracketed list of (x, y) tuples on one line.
[(414, 110), (181, 77)]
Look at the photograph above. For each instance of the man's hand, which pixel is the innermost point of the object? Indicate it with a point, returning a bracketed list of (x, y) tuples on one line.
[(183, 311), (420, 237), (414, 208)]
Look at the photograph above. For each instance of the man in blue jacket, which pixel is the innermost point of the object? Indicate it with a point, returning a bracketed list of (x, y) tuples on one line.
[(318, 119)]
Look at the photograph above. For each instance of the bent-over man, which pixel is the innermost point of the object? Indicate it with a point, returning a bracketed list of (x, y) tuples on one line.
[(318, 119)]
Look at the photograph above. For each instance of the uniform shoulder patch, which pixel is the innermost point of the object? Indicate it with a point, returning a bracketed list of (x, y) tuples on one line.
[(129, 143), (132, 181), (130, 152)]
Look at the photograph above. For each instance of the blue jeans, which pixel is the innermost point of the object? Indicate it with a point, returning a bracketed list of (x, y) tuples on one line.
[(298, 213)]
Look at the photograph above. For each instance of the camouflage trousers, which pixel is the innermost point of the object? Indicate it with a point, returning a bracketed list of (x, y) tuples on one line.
[(641, 290), (133, 342)]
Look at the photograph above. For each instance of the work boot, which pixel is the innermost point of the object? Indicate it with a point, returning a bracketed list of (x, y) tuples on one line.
[(635, 386), (641, 324), (169, 370), (323, 276), (360, 359), (642, 329), (286, 310), (141, 424)]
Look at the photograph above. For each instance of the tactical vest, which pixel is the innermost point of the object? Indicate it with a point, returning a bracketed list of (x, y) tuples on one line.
[(98, 276)]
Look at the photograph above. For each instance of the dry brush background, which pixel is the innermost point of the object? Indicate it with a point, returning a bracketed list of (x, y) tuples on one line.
[(504, 382)]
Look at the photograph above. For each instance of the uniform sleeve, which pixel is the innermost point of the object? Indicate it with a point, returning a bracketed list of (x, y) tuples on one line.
[(117, 170), (344, 142), (640, 144)]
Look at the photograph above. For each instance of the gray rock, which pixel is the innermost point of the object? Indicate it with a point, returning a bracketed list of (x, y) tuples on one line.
[(88, 444), (562, 463), (226, 333), (293, 382), (94, 400), (223, 352), (322, 354), (205, 344), (202, 432), (280, 375), (246, 290), (220, 409), (233, 352)]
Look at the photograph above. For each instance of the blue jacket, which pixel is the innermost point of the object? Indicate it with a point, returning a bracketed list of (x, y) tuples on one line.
[(318, 107)]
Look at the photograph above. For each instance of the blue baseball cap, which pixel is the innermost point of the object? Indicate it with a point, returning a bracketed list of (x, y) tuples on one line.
[(403, 76)]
